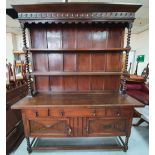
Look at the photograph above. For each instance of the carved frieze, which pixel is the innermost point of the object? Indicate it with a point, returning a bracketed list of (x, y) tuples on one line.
[(69, 17)]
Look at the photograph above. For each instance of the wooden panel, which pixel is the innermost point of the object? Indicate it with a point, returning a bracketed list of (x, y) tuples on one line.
[(49, 127), (55, 62), (84, 112), (114, 62), (98, 62), (56, 83), (115, 37), (80, 126), (69, 36), (84, 83), (119, 112), (70, 83), (38, 37), (99, 37), (40, 62), (111, 82), (84, 100), (36, 113), (73, 112), (83, 62), (69, 62), (97, 82), (11, 120), (42, 83), (84, 36), (54, 37), (102, 127)]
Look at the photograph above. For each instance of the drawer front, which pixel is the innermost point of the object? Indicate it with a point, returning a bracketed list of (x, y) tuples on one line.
[(36, 113), (50, 127), (65, 112), (119, 112), (77, 112), (106, 127)]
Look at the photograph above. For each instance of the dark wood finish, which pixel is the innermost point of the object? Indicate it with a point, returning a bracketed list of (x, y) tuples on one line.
[(14, 125), (77, 100), (75, 73), (77, 7), (77, 51)]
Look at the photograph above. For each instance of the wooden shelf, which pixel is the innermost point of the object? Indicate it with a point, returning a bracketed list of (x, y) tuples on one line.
[(20, 64), (79, 50), (18, 52), (76, 73)]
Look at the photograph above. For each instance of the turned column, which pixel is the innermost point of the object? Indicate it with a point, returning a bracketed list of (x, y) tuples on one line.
[(25, 49), (126, 57)]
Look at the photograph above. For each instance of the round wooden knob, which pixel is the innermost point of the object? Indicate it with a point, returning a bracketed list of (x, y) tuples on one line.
[(94, 113), (118, 114)]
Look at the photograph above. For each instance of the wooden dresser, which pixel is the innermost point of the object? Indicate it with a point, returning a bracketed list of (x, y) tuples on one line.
[(76, 51)]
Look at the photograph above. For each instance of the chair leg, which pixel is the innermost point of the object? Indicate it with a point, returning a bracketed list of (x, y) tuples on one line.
[(139, 122)]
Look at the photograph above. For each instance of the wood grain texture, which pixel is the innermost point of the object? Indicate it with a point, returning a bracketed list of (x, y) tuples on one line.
[(54, 36), (38, 37), (83, 62), (42, 83), (77, 51), (55, 62), (77, 100)]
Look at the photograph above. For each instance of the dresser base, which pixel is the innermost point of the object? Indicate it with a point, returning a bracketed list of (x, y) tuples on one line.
[(109, 143)]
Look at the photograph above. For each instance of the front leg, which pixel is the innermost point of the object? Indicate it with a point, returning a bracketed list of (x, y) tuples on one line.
[(29, 149), (126, 143)]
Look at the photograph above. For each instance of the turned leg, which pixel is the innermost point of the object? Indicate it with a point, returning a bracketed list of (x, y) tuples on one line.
[(126, 143), (28, 145)]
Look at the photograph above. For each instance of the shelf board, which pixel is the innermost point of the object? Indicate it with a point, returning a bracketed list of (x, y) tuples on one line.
[(79, 50), (19, 53), (76, 73)]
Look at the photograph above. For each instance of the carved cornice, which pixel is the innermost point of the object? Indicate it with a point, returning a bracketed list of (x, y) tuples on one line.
[(65, 17)]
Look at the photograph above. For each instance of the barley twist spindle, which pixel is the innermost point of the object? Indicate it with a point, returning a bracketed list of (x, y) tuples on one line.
[(25, 48), (126, 57)]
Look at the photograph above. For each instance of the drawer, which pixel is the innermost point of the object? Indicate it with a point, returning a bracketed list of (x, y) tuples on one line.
[(37, 113), (119, 112), (77, 112)]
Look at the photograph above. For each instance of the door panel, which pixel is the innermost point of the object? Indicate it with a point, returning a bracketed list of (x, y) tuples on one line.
[(105, 127), (58, 127)]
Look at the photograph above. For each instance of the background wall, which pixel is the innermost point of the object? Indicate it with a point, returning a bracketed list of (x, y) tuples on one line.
[(13, 42), (9, 47), (139, 46)]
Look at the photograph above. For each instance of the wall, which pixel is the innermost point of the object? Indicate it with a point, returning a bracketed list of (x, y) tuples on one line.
[(13, 42), (9, 48), (139, 46)]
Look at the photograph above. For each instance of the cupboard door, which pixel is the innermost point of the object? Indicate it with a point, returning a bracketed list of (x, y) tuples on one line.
[(105, 127), (53, 127)]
